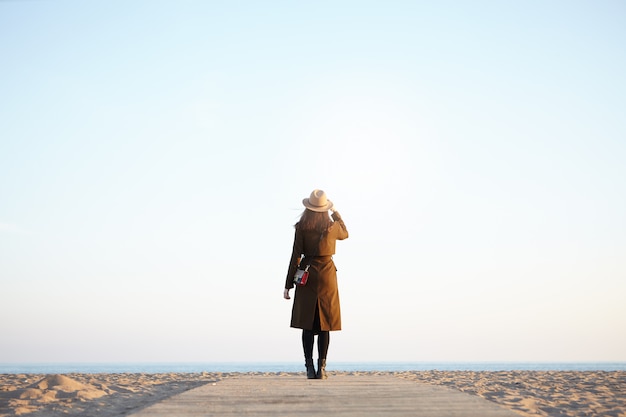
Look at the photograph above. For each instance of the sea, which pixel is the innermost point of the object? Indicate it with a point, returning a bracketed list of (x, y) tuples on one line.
[(276, 367)]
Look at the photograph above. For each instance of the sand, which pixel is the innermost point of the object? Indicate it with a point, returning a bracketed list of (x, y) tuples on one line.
[(535, 393), (104, 395), (528, 393)]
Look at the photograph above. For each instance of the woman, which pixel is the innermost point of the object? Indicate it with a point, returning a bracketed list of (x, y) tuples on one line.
[(316, 305)]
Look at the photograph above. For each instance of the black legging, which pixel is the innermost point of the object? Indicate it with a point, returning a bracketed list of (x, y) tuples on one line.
[(323, 338)]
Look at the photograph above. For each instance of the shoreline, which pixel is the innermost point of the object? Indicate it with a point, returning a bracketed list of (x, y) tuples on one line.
[(528, 393), (244, 367)]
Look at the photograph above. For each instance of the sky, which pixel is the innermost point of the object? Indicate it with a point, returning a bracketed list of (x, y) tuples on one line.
[(154, 156)]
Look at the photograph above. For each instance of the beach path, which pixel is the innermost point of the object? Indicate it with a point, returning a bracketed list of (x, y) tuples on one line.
[(340, 395)]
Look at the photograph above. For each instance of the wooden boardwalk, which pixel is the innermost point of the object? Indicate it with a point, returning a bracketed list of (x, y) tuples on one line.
[(340, 395)]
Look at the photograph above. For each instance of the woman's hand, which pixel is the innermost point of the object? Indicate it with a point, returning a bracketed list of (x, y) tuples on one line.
[(286, 294)]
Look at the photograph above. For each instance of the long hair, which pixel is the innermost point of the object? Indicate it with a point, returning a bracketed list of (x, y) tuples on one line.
[(314, 221)]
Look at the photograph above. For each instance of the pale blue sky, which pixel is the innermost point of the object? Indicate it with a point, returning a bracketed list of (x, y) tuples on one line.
[(154, 155)]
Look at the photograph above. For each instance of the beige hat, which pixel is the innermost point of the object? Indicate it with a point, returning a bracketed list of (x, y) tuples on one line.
[(318, 201)]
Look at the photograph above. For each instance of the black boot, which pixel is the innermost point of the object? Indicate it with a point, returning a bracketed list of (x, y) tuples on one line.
[(321, 369), (310, 369)]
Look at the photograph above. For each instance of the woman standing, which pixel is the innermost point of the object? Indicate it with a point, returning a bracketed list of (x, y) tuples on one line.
[(316, 305)]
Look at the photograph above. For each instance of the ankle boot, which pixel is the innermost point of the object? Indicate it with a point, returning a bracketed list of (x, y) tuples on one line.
[(310, 369), (321, 369)]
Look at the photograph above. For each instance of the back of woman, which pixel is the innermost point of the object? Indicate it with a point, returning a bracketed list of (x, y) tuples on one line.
[(316, 308)]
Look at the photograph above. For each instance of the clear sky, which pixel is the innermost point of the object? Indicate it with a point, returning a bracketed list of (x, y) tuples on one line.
[(154, 155)]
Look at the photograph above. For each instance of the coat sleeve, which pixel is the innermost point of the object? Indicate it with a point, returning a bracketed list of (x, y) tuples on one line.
[(342, 230), (296, 253)]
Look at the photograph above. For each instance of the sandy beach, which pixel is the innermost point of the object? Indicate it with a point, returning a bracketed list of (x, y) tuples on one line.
[(528, 393), (539, 393)]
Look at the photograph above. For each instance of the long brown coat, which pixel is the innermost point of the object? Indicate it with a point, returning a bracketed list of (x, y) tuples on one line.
[(321, 289)]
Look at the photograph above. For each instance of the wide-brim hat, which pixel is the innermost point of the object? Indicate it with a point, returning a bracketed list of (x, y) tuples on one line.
[(318, 201)]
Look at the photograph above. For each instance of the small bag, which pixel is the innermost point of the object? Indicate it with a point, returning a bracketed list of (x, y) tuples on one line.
[(301, 276)]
